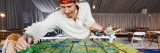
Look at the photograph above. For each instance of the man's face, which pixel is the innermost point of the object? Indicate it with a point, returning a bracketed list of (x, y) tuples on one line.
[(68, 9)]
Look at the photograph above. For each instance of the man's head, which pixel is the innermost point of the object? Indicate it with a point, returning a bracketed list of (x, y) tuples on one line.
[(68, 6)]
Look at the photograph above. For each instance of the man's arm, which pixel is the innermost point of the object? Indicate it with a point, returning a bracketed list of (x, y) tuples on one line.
[(91, 24), (96, 26), (37, 31)]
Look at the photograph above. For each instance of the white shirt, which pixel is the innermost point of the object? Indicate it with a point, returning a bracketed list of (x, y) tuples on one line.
[(75, 29)]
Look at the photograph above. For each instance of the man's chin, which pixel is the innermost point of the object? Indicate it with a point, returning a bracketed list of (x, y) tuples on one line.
[(69, 16)]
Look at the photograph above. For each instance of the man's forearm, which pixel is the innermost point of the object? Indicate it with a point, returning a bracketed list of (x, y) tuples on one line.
[(97, 27)]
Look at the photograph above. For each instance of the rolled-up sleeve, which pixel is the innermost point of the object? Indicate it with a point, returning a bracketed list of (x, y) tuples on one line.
[(85, 11), (90, 18), (39, 29)]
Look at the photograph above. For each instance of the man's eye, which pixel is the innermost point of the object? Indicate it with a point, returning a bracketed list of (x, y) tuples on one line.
[(62, 7), (69, 6)]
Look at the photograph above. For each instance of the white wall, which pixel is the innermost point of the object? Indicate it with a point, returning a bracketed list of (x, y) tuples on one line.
[(129, 20)]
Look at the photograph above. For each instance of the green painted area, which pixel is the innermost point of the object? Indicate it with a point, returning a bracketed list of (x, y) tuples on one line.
[(79, 46)]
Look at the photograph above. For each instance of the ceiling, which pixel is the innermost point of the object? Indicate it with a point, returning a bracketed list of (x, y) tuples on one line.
[(125, 6)]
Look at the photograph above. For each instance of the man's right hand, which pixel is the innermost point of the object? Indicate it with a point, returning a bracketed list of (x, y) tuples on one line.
[(23, 42)]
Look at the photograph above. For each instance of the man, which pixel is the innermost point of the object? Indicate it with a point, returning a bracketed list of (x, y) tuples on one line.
[(73, 18)]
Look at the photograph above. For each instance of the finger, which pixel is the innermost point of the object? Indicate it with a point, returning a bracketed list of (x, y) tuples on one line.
[(24, 42), (18, 47), (30, 39), (24, 45), (17, 43), (21, 43)]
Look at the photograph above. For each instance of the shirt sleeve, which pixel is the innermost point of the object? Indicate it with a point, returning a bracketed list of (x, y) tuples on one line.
[(86, 11), (39, 29)]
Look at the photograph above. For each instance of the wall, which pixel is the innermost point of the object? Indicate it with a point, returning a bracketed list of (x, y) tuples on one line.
[(127, 21), (19, 13)]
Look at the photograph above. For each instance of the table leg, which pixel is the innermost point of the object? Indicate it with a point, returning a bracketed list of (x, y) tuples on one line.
[(130, 37), (158, 40)]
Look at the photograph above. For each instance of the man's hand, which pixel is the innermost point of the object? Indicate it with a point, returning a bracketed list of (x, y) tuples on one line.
[(105, 31), (23, 42)]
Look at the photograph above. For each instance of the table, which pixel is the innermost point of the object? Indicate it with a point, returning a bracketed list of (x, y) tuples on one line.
[(65, 37), (79, 46), (155, 34), (128, 34), (4, 33)]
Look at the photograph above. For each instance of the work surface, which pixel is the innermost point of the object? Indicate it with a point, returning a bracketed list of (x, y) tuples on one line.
[(79, 46)]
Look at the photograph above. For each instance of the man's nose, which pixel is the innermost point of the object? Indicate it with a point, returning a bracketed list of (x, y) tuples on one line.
[(66, 10)]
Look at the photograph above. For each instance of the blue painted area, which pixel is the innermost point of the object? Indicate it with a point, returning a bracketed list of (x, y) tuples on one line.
[(150, 50), (54, 45), (58, 44), (75, 42)]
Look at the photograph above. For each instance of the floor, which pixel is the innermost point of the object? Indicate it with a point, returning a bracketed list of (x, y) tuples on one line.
[(137, 44)]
